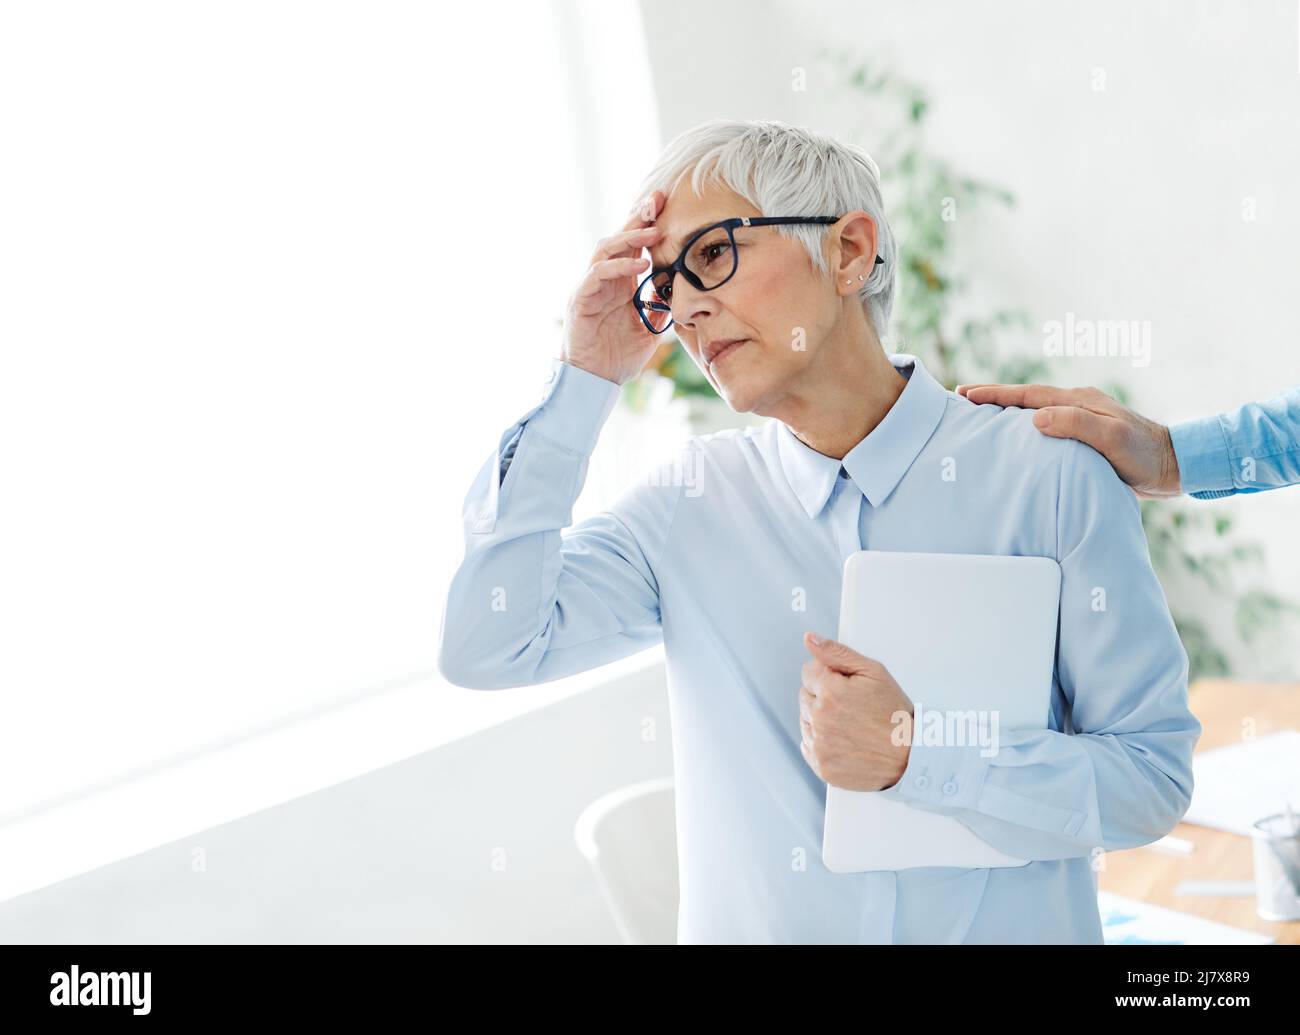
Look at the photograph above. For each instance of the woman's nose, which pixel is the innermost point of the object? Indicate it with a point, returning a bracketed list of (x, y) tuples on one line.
[(689, 304)]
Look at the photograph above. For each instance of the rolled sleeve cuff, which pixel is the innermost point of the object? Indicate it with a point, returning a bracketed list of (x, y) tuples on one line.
[(1204, 466), (948, 776), (575, 405)]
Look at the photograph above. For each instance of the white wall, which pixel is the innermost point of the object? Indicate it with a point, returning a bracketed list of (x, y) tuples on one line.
[(403, 854), (1130, 198)]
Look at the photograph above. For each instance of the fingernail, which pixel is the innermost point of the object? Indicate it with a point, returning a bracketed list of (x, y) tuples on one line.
[(1042, 419), (816, 639)]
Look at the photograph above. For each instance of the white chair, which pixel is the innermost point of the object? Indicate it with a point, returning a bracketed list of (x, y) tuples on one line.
[(629, 836)]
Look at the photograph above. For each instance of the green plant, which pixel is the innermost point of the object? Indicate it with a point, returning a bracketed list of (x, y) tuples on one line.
[(1189, 544)]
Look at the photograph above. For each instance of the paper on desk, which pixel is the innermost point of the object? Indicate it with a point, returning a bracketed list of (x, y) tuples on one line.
[(1126, 921), (1241, 783)]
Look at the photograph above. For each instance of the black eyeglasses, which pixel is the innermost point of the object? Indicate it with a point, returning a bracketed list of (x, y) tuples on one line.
[(708, 260)]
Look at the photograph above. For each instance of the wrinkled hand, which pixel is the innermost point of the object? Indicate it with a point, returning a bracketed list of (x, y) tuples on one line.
[(1140, 450), (855, 718), (603, 333)]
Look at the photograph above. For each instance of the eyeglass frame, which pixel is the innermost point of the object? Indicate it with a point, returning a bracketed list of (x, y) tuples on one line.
[(678, 266)]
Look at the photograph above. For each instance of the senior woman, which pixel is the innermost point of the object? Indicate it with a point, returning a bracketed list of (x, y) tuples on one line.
[(771, 258)]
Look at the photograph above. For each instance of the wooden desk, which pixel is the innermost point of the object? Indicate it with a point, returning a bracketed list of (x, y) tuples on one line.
[(1222, 706)]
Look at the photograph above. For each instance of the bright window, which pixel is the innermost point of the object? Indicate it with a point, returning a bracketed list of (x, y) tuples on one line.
[(275, 276)]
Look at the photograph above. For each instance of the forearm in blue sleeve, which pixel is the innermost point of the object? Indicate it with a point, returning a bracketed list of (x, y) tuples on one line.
[(1251, 449), (533, 599)]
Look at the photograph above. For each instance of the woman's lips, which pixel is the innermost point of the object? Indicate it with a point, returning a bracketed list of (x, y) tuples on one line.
[(726, 350)]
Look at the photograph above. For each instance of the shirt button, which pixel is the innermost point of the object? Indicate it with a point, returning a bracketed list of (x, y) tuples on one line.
[(922, 782), (950, 788)]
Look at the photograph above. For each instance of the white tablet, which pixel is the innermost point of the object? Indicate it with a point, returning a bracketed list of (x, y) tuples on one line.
[(971, 636)]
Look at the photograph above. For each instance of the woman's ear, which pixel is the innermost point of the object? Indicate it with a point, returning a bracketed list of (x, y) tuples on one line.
[(853, 250)]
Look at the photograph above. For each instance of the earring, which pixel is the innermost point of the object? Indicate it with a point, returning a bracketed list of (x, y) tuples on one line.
[(861, 277)]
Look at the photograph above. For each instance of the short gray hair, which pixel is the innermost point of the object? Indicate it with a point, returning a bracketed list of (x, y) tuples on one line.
[(785, 170)]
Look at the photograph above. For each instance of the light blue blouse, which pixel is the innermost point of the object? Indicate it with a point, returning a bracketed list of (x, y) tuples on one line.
[(725, 551)]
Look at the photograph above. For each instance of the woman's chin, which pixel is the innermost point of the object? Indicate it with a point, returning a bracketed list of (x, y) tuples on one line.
[(738, 390)]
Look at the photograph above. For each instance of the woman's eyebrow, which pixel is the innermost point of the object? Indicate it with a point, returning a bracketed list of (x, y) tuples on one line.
[(685, 237)]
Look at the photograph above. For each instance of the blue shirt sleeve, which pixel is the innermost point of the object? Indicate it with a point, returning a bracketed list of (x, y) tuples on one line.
[(533, 599), (1120, 774), (1250, 449)]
